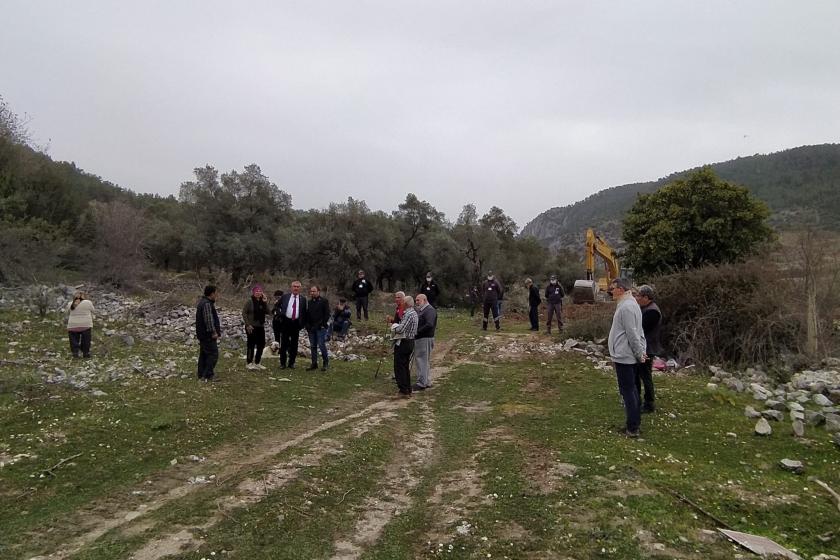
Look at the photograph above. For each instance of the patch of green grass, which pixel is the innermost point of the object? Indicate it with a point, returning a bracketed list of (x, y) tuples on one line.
[(141, 424), (509, 422)]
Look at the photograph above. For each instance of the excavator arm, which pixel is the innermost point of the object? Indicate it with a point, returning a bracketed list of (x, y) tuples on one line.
[(595, 246)]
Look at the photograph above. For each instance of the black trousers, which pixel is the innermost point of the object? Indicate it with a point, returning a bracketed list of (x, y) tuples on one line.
[(80, 342), (208, 356), (534, 316), (256, 344), (277, 329), (361, 305), (488, 307), (402, 361), (644, 375), (289, 335)]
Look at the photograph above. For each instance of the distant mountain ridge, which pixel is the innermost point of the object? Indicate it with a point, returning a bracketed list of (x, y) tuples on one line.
[(794, 183)]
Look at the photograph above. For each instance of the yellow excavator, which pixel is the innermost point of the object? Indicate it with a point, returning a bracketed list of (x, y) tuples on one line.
[(586, 291)]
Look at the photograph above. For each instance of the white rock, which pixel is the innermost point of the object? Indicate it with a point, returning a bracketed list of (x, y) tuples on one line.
[(792, 466), (822, 400), (795, 406), (832, 423), (762, 427), (750, 412)]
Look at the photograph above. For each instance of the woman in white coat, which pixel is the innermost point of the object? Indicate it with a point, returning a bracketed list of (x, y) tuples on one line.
[(80, 325)]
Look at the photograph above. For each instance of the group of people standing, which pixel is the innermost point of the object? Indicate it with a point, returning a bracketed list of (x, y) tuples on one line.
[(633, 342), (634, 337), (413, 333), (554, 295), (412, 329)]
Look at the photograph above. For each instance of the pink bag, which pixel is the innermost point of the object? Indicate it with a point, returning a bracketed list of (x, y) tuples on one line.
[(659, 364)]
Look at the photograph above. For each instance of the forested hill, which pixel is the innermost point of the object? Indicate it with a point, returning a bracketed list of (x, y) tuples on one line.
[(795, 183)]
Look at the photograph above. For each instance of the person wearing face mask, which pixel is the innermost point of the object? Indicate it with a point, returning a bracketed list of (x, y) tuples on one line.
[(554, 295), (362, 288), (430, 289), (492, 290)]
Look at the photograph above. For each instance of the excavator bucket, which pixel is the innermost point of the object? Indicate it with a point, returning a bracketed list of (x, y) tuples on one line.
[(584, 291)]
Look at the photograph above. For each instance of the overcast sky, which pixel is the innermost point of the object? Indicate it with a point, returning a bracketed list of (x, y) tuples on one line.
[(520, 104)]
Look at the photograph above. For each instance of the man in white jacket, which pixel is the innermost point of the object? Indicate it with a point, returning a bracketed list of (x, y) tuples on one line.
[(627, 348)]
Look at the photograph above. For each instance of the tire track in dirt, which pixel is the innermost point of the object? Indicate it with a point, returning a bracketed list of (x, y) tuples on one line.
[(393, 496), (98, 523), (462, 491), (253, 489)]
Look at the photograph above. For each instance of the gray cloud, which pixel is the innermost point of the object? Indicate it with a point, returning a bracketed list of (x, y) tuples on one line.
[(525, 105)]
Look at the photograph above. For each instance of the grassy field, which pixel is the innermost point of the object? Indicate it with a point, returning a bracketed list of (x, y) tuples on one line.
[(507, 456)]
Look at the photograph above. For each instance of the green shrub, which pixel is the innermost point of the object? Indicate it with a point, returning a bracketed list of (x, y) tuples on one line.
[(588, 322), (730, 314)]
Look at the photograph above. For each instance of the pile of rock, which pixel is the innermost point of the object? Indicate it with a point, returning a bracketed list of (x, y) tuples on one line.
[(347, 350), (178, 324), (811, 398)]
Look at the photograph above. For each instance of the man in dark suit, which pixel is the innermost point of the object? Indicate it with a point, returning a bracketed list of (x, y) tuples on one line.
[(293, 306)]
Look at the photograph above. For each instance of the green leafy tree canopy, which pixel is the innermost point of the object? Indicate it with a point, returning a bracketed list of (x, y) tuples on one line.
[(692, 222)]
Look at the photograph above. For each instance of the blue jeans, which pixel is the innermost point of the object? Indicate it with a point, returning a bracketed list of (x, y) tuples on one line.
[(318, 340), (338, 328), (626, 375)]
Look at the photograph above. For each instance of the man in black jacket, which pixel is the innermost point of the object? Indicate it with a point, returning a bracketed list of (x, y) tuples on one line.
[(293, 315), (317, 317), (534, 301), (493, 291), (651, 326), (362, 289), (208, 329), (277, 315), (430, 289), (554, 295)]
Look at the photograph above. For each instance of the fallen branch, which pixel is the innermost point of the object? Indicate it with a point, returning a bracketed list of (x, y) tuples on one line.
[(828, 489), (224, 514), (699, 509), (300, 511), (22, 494), (58, 465), (344, 496), (683, 499)]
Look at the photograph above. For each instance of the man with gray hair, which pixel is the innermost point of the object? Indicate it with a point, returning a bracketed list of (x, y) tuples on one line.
[(627, 350), (651, 323), (534, 301), (403, 334), (424, 342)]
